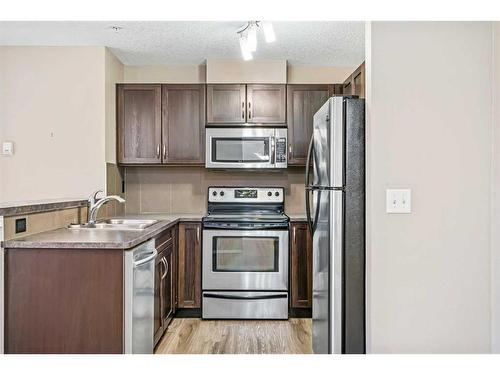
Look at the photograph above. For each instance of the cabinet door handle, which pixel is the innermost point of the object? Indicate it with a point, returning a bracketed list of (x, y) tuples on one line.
[(198, 234), (243, 114), (164, 151), (294, 237), (290, 150), (158, 151), (249, 110), (165, 263)]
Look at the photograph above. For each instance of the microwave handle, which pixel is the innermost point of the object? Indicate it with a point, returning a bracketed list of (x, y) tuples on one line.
[(273, 150)]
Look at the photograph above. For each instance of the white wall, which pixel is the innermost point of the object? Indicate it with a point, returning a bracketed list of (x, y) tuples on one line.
[(495, 223), (430, 129), (52, 103)]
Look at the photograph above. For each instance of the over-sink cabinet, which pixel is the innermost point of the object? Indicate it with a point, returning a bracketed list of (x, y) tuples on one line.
[(252, 103), (160, 124)]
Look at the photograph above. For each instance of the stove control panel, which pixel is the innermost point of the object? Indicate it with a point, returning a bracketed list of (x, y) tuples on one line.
[(224, 194)]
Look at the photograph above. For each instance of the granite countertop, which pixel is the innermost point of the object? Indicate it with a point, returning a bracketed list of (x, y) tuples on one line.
[(27, 207), (297, 217), (65, 238)]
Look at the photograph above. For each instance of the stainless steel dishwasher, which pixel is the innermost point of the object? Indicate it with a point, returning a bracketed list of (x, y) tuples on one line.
[(139, 277)]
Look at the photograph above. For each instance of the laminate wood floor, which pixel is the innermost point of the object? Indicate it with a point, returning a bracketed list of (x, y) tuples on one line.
[(196, 336)]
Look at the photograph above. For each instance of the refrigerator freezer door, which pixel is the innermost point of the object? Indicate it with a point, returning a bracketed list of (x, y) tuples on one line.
[(328, 151), (327, 272)]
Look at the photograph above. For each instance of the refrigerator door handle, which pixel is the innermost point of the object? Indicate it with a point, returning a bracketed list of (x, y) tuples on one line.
[(308, 186)]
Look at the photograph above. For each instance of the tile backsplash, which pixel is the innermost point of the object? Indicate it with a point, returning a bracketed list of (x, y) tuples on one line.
[(184, 189)]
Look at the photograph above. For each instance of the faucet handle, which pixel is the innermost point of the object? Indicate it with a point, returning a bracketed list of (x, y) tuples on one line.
[(93, 196)]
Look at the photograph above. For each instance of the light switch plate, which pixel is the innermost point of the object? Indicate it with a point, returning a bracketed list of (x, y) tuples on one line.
[(7, 148), (398, 201)]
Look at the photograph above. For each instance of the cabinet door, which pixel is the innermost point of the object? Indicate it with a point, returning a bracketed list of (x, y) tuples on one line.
[(226, 104), (358, 78), (189, 272), (139, 124), (158, 321), (183, 124), (168, 304), (266, 104), (348, 86), (301, 266), (303, 101)]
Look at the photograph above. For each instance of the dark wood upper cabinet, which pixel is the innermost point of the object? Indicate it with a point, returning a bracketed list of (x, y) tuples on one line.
[(355, 83), (139, 124), (189, 271), (301, 266), (266, 104), (226, 104), (183, 124), (303, 101)]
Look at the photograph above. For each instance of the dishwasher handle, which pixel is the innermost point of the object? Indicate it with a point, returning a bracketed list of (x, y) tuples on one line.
[(145, 258)]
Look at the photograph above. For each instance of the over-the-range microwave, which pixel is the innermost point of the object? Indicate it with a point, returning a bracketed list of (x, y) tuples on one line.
[(246, 147)]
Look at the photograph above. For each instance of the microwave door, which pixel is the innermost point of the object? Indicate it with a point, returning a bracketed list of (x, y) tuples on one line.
[(240, 148)]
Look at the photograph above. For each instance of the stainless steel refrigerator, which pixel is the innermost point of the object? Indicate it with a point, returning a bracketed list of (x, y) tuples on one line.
[(336, 219)]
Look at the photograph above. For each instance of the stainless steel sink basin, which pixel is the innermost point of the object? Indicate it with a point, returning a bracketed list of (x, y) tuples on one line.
[(116, 224)]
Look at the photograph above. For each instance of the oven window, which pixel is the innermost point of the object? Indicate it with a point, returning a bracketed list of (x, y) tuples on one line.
[(241, 150), (245, 254)]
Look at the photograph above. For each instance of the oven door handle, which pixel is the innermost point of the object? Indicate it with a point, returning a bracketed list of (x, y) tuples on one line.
[(227, 296)]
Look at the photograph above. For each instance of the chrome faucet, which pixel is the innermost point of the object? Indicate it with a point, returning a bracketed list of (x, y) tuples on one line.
[(95, 204)]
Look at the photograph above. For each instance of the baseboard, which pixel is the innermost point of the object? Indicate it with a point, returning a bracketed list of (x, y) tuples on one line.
[(300, 312), (188, 313)]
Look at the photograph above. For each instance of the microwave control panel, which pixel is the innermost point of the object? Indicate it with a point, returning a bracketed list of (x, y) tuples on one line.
[(281, 150)]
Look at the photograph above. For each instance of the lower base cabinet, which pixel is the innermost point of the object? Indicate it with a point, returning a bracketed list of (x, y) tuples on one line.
[(189, 275), (177, 275), (300, 269), (165, 281)]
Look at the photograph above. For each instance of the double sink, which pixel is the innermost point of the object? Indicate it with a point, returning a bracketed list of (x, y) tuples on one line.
[(115, 224)]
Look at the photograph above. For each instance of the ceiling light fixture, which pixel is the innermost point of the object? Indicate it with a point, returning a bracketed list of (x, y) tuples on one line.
[(269, 32), (245, 50), (248, 37)]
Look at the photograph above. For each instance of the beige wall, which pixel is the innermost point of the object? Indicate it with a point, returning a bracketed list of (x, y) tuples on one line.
[(236, 71), (429, 271), (184, 190), (495, 223), (239, 71), (52, 103), (307, 74), (113, 74), (165, 74)]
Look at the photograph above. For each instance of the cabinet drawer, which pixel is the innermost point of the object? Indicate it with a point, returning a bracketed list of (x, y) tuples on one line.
[(163, 239)]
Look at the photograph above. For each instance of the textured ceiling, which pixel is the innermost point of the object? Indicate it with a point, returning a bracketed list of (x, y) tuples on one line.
[(156, 43)]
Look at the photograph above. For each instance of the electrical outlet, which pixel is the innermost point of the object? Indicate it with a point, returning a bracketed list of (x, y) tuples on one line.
[(398, 201)]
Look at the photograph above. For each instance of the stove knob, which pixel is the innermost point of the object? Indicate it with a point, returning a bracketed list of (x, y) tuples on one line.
[(221, 193), (269, 193), (277, 194), (214, 193)]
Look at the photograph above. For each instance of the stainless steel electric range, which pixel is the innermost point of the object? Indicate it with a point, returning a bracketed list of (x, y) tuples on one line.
[(245, 254)]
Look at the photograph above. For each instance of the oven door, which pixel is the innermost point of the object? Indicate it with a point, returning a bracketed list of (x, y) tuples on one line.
[(240, 148), (245, 260)]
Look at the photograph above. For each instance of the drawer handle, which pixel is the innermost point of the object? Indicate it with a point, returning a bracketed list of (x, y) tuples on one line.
[(227, 296)]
